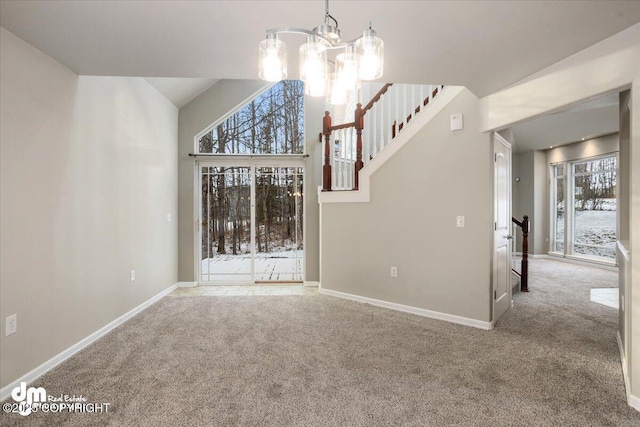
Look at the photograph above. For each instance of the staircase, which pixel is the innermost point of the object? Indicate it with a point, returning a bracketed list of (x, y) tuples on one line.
[(350, 146)]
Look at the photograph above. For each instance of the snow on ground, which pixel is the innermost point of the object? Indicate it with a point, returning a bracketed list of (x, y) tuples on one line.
[(595, 228), (274, 266)]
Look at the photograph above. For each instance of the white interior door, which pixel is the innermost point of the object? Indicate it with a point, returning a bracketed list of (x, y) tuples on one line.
[(502, 226)]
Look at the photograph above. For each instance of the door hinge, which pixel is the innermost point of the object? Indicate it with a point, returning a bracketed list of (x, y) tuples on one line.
[(495, 294), (495, 157), (495, 226)]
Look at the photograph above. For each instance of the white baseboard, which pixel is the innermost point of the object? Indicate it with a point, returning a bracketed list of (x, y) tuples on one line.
[(634, 402), (186, 284), (623, 361), (412, 310), (36, 373), (534, 256), (572, 259), (311, 284)]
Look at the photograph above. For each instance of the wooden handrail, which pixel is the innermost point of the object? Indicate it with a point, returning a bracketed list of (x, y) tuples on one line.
[(376, 98), (342, 126), (524, 265)]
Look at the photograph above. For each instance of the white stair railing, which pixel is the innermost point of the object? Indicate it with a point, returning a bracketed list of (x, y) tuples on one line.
[(350, 146)]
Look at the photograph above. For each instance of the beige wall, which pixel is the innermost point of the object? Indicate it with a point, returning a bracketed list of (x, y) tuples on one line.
[(88, 176), (634, 240), (410, 223), (213, 104)]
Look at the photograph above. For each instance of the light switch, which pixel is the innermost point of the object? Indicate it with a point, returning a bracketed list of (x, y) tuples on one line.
[(168, 217), (460, 221), (456, 122)]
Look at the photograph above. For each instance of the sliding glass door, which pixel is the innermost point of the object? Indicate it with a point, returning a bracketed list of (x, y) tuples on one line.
[(278, 247), (226, 224), (251, 221)]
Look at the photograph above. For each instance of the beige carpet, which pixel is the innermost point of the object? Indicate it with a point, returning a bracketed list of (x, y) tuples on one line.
[(321, 361)]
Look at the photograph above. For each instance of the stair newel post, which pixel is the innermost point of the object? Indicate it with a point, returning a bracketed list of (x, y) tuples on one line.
[(359, 125), (326, 169), (524, 267)]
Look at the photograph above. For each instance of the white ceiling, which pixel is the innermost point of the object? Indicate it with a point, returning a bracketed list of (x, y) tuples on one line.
[(586, 120), (483, 45)]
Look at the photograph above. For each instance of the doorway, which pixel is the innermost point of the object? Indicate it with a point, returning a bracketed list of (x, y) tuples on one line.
[(251, 223)]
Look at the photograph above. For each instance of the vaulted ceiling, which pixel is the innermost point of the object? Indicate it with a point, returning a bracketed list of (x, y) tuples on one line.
[(483, 45)]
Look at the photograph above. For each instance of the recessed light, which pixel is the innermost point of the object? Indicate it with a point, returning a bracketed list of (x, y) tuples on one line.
[(582, 139), (551, 146)]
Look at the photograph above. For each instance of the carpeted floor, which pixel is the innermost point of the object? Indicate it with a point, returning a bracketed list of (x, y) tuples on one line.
[(320, 361)]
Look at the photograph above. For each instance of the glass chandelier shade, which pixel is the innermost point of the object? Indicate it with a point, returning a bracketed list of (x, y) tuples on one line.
[(314, 68), (371, 51), (272, 64), (345, 80)]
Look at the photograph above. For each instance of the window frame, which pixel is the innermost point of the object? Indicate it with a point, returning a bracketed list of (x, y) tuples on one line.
[(568, 182)]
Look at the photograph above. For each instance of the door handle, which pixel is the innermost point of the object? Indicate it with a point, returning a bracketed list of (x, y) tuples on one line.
[(508, 237)]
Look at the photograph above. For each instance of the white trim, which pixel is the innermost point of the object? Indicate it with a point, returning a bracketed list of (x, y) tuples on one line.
[(634, 402), (311, 284), (587, 262), (186, 284), (448, 94), (625, 374), (412, 310), (539, 256), (36, 373), (243, 161)]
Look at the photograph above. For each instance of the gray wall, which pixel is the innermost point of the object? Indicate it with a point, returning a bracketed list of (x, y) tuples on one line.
[(634, 238), (410, 223), (313, 114), (88, 176), (528, 196), (623, 203), (213, 104)]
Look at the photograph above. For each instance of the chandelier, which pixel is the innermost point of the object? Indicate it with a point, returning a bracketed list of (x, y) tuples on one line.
[(360, 59)]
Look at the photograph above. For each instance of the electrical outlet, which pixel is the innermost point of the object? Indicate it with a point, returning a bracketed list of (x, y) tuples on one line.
[(460, 221), (11, 324), (133, 275), (394, 271)]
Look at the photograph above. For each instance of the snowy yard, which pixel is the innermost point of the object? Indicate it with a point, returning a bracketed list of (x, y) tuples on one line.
[(594, 228), (273, 266)]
